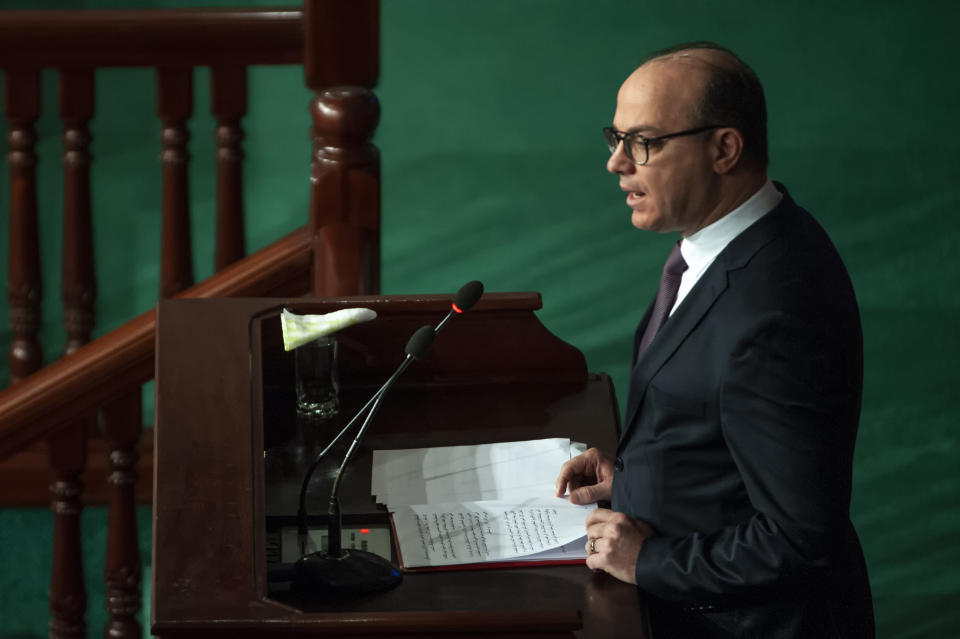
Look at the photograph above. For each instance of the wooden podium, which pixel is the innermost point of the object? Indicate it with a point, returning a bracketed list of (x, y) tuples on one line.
[(225, 408)]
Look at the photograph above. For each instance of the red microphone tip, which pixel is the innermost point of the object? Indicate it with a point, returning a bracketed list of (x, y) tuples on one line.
[(455, 308)]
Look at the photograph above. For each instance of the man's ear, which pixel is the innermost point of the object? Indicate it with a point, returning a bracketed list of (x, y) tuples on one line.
[(727, 150)]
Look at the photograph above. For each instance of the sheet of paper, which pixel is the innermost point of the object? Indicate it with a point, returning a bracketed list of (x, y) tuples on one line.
[(505, 470), (490, 531)]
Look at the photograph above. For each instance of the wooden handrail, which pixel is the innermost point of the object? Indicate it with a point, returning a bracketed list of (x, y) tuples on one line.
[(123, 358), (138, 37)]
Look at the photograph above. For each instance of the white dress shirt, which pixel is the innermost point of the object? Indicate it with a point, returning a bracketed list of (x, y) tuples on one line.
[(700, 249)]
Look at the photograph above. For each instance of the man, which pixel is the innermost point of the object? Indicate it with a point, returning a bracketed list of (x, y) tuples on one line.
[(731, 484)]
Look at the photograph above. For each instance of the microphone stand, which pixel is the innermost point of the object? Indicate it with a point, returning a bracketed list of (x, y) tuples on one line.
[(350, 572), (334, 525), (464, 300), (302, 529)]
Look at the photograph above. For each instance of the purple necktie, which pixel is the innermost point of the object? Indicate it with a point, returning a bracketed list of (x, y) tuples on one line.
[(666, 296)]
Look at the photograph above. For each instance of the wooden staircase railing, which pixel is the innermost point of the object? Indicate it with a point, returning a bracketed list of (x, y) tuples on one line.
[(86, 379), (93, 391)]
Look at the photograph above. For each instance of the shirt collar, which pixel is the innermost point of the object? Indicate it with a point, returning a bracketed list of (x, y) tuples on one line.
[(700, 249)]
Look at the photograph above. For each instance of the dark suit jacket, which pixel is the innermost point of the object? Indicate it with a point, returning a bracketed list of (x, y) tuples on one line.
[(738, 443)]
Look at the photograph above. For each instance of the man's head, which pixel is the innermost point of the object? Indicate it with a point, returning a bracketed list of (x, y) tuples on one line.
[(690, 180)]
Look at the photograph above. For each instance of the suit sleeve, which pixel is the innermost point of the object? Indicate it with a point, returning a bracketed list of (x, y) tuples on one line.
[(789, 407)]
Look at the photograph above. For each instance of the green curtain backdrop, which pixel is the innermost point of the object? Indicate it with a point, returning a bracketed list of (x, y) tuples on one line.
[(493, 169)]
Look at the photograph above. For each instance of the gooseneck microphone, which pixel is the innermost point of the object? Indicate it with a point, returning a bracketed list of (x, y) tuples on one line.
[(348, 572), (351, 572)]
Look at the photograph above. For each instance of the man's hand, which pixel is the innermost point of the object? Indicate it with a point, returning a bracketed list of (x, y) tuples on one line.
[(613, 543), (588, 477)]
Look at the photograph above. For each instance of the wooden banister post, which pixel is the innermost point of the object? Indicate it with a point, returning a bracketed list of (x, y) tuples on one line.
[(68, 595), (341, 65), (229, 97), (79, 285), (21, 88), (78, 289), (122, 428), (174, 107)]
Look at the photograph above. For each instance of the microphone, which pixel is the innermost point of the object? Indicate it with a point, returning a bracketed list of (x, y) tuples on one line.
[(463, 301), (351, 571)]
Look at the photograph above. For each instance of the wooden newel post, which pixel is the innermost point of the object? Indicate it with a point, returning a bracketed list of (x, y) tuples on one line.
[(341, 64), (345, 175)]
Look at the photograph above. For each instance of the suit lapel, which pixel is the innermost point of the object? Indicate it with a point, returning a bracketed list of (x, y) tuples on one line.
[(638, 334), (683, 320), (700, 299)]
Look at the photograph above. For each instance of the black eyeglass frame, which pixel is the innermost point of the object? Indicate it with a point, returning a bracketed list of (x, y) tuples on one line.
[(610, 134)]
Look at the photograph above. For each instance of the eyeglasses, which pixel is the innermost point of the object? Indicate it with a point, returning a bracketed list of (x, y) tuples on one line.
[(637, 146)]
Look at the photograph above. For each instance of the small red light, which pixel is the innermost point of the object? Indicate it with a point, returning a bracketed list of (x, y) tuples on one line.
[(364, 531), (455, 308)]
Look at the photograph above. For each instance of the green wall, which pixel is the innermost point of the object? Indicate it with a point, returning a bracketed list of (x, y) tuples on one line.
[(493, 170)]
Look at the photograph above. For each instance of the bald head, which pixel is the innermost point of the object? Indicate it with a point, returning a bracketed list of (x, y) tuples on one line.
[(722, 89), (700, 54)]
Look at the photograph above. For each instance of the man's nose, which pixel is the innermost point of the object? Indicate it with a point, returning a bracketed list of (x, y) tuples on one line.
[(619, 162)]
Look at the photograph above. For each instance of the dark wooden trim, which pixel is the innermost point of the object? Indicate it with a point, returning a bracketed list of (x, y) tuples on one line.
[(430, 623), (123, 358), (137, 37)]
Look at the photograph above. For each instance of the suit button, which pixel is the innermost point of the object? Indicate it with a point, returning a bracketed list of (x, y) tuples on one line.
[(618, 465)]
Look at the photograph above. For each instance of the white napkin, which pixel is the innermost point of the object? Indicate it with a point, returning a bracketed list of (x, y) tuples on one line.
[(300, 329)]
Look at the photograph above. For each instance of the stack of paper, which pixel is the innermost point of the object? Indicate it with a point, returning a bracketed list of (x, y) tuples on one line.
[(476, 505)]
